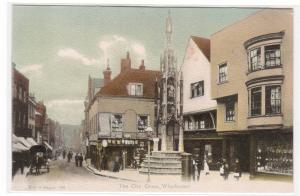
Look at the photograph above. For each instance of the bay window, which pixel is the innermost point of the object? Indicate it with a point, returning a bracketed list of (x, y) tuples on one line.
[(255, 62), (273, 100), (256, 101), (272, 56)]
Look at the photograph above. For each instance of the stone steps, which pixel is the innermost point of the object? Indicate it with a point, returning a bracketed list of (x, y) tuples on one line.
[(161, 171), (168, 162), (161, 166)]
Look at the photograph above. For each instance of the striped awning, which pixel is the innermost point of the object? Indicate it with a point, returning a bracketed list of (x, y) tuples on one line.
[(24, 142), (31, 141), (18, 147), (48, 145)]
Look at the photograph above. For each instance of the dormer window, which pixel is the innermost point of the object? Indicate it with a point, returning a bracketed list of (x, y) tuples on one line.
[(135, 89)]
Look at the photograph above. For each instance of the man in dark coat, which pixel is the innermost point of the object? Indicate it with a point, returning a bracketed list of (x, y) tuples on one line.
[(64, 154), (76, 159), (69, 156), (80, 158), (226, 169)]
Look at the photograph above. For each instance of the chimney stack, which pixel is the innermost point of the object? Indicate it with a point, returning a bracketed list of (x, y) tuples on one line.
[(142, 66), (107, 73), (126, 63)]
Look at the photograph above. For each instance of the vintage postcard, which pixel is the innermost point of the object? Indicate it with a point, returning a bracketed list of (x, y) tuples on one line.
[(151, 99)]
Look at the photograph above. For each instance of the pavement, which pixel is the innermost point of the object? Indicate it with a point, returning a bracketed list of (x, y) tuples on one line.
[(66, 177), (131, 175)]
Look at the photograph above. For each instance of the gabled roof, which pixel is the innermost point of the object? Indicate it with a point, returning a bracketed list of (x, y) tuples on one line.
[(118, 86), (203, 44)]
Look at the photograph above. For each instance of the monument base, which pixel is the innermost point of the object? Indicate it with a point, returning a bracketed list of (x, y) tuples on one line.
[(163, 162)]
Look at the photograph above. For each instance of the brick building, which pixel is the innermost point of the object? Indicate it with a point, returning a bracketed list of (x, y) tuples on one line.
[(20, 86)]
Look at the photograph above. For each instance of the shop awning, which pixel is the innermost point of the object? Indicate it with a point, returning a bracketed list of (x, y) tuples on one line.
[(15, 139), (24, 142), (31, 141), (48, 146), (18, 147)]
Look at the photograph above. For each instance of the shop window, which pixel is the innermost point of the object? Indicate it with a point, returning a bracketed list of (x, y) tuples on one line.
[(116, 122), (197, 89), (223, 73), (256, 101), (135, 89), (230, 113), (255, 62), (142, 122), (274, 156), (273, 100), (272, 56)]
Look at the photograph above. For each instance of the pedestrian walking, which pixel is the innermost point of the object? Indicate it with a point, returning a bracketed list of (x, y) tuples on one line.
[(39, 162), (196, 169), (237, 170), (226, 169), (64, 154), (206, 167), (221, 168), (69, 156), (76, 159), (116, 167), (21, 162), (80, 159)]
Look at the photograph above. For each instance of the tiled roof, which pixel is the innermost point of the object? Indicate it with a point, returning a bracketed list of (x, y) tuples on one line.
[(118, 86), (203, 44)]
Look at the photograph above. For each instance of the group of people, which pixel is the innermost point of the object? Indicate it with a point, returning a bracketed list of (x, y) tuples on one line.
[(224, 168), (78, 159), (197, 167)]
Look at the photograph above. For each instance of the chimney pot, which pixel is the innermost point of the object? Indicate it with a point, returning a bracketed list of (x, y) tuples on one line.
[(126, 63), (107, 74), (142, 66)]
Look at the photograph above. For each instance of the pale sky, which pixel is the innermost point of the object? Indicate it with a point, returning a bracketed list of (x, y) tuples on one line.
[(57, 47)]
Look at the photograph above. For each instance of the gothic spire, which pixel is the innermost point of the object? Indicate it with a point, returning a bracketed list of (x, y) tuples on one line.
[(107, 64), (169, 28)]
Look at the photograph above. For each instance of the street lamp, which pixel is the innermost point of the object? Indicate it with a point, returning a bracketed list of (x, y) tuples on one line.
[(149, 131)]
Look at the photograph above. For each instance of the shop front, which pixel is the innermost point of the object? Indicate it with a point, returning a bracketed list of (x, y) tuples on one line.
[(205, 146), (236, 146), (273, 153), (117, 154)]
